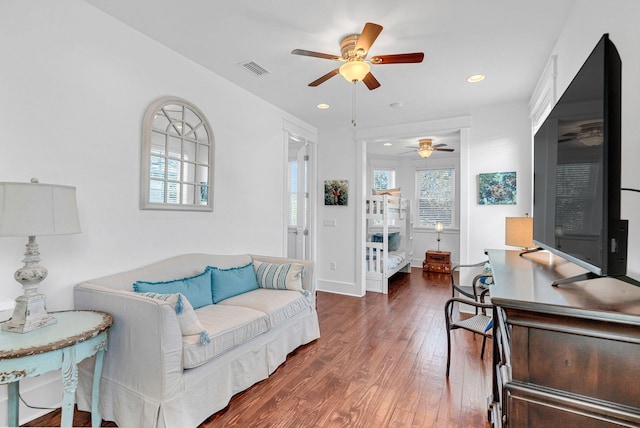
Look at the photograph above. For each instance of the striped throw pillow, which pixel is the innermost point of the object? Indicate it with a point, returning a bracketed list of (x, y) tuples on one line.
[(187, 318), (280, 276)]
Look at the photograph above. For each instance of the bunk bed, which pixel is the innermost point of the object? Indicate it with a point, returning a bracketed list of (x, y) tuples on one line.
[(388, 245)]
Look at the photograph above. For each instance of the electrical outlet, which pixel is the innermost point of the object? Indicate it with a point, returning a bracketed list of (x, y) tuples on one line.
[(334, 266)]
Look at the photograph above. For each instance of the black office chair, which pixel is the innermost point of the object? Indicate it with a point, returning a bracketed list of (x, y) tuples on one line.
[(480, 323)]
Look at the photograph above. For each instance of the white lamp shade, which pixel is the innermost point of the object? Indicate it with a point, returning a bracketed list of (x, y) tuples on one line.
[(519, 232), (354, 70), (34, 209), (425, 153), (439, 226)]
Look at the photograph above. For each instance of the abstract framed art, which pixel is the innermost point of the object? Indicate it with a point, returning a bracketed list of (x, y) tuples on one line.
[(497, 188)]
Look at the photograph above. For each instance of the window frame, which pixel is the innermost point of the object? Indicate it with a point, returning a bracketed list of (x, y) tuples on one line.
[(453, 214), (196, 153), (292, 172), (391, 170)]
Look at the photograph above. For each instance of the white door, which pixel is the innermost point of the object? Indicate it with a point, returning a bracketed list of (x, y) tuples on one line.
[(299, 210)]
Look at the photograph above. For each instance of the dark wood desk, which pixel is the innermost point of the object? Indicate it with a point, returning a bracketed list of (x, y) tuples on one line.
[(563, 356)]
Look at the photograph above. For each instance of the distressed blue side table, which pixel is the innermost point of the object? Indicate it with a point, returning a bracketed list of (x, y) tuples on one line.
[(77, 335)]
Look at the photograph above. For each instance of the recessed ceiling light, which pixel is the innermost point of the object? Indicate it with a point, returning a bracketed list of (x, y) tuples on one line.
[(387, 144), (323, 106), (475, 78), (396, 105)]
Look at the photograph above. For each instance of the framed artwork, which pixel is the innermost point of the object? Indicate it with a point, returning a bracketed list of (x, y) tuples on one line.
[(497, 188), (336, 192)]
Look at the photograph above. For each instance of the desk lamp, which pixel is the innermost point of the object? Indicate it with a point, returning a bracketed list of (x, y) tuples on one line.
[(31, 209), (519, 233)]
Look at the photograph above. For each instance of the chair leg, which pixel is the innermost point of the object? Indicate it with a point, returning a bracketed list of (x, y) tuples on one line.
[(448, 350), (448, 310)]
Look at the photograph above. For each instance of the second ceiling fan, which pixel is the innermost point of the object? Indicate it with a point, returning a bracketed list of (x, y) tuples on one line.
[(426, 148), (354, 49)]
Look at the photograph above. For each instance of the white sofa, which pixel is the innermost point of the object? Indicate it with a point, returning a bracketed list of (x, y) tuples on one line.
[(145, 379)]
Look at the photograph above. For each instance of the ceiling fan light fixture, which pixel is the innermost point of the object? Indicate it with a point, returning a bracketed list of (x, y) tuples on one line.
[(425, 153), (354, 71), (591, 134)]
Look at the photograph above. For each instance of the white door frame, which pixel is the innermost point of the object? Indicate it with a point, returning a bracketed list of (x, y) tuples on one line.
[(307, 138), (364, 135)]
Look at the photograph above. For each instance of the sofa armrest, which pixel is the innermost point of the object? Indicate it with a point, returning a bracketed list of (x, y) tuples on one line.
[(145, 341)]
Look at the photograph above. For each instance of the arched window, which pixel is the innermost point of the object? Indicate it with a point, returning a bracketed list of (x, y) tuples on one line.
[(177, 157)]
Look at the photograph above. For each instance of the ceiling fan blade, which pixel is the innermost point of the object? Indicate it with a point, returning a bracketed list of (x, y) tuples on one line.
[(371, 82), (315, 54), (410, 151), (439, 145), (398, 58), (443, 150), (369, 35), (324, 78)]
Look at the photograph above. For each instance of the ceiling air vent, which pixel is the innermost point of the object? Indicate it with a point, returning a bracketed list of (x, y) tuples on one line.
[(254, 68)]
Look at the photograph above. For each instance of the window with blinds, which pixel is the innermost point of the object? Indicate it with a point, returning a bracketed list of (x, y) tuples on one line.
[(435, 196), (575, 193)]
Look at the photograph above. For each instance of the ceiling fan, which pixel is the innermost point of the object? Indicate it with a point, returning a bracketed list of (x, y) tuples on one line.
[(354, 49), (589, 134), (426, 148)]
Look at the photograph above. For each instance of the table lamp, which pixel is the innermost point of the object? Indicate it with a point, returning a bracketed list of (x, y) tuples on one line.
[(32, 209), (439, 229), (519, 233)]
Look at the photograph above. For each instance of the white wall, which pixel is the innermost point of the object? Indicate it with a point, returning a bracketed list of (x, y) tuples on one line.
[(337, 161), (74, 86), (587, 23), (500, 142)]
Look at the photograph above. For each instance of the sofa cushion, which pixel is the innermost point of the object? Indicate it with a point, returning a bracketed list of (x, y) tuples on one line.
[(197, 289), (187, 318), (227, 326), (282, 276), (279, 305), (230, 282)]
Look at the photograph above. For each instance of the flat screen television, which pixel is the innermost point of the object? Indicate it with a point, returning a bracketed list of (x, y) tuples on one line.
[(576, 212)]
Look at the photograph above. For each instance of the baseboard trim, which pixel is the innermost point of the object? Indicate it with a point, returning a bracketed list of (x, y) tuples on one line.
[(338, 287)]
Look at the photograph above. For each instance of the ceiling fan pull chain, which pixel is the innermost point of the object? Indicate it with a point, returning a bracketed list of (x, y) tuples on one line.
[(353, 105)]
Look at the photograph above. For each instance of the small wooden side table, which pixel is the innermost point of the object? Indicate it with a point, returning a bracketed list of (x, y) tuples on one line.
[(77, 335), (437, 261)]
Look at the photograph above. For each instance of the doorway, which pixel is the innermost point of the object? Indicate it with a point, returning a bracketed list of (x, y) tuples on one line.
[(299, 199)]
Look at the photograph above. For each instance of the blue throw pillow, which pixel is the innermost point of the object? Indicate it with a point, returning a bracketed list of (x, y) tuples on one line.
[(197, 289), (230, 282), (393, 240)]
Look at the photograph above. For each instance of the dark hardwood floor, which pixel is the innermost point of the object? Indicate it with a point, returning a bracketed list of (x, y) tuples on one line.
[(380, 363)]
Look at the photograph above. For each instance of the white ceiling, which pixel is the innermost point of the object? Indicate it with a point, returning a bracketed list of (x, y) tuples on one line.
[(507, 40)]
